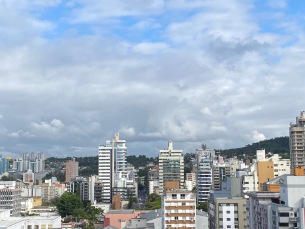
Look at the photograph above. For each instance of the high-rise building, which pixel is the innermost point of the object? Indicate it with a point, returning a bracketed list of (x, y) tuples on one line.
[(71, 170), (4, 165), (296, 140), (203, 174), (112, 159), (171, 167), (31, 161)]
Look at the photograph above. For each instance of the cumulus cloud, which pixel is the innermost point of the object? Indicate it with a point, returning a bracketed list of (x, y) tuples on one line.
[(258, 136), (209, 75), (55, 126), (150, 48), (127, 131)]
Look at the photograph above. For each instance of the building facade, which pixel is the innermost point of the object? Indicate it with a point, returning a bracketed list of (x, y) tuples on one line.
[(296, 140), (204, 175), (112, 160), (171, 167), (227, 213), (4, 165), (71, 170), (178, 209), (277, 210), (10, 199)]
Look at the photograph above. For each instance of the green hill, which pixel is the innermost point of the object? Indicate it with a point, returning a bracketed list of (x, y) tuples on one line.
[(278, 145)]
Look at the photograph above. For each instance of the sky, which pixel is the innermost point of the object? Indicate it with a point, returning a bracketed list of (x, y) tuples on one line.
[(226, 73)]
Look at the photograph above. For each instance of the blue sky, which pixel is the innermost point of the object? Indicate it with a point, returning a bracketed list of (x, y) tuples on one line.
[(225, 73)]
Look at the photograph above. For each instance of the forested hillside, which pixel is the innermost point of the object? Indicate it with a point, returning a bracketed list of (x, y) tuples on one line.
[(278, 145)]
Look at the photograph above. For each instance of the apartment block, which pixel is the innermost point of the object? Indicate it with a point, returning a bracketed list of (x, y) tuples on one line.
[(296, 140), (112, 160), (263, 170), (227, 213), (204, 175), (71, 170), (171, 167), (284, 209), (79, 185), (178, 209), (10, 199), (4, 165)]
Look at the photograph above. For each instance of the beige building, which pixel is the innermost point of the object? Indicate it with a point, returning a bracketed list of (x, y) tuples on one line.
[(71, 170), (296, 139), (178, 209), (171, 167), (227, 213)]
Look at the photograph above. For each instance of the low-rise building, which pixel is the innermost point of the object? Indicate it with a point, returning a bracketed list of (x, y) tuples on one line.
[(29, 222)]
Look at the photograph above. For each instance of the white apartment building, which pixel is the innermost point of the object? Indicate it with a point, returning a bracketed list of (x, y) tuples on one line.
[(178, 209), (192, 178), (153, 186), (204, 175), (252, 180), (30, 161), (296, 139), (112, 160), (106, 171), (171, 166), (91, 184)]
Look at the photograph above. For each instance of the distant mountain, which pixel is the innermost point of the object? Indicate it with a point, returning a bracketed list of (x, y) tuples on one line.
[(278, 145)]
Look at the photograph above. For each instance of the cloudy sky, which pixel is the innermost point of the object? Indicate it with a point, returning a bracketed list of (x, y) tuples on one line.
[(222, 72)]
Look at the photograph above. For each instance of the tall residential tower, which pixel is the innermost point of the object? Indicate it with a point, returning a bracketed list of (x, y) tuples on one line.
[(296, 140), (112, 159), (171, 167)]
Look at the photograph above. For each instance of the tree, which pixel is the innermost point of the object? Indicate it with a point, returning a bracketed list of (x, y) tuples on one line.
[(79, 214), (203, 206), (7, 178), (67, 203)]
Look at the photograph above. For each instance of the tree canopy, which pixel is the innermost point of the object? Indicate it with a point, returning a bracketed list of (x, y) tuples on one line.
[(67, 204)]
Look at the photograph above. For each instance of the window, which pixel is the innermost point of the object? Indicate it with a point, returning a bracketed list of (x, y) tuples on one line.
[(228, 219), (182, 196), (29, 227), (228, 226), (183, 204), (174, 196), (36, 227), (176, 218), (228, 212)]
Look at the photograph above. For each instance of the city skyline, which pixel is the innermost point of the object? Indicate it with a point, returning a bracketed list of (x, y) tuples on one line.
[(75, 72)]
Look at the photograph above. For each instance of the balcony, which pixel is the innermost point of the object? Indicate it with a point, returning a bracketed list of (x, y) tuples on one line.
[(293, 219)]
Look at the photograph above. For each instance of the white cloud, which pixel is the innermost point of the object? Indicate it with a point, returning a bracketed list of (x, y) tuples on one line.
[(146, 24), (277, 4), (127, 131), (257, 137), (13, 135), (96, 11), (55, 126), (150, 48)]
